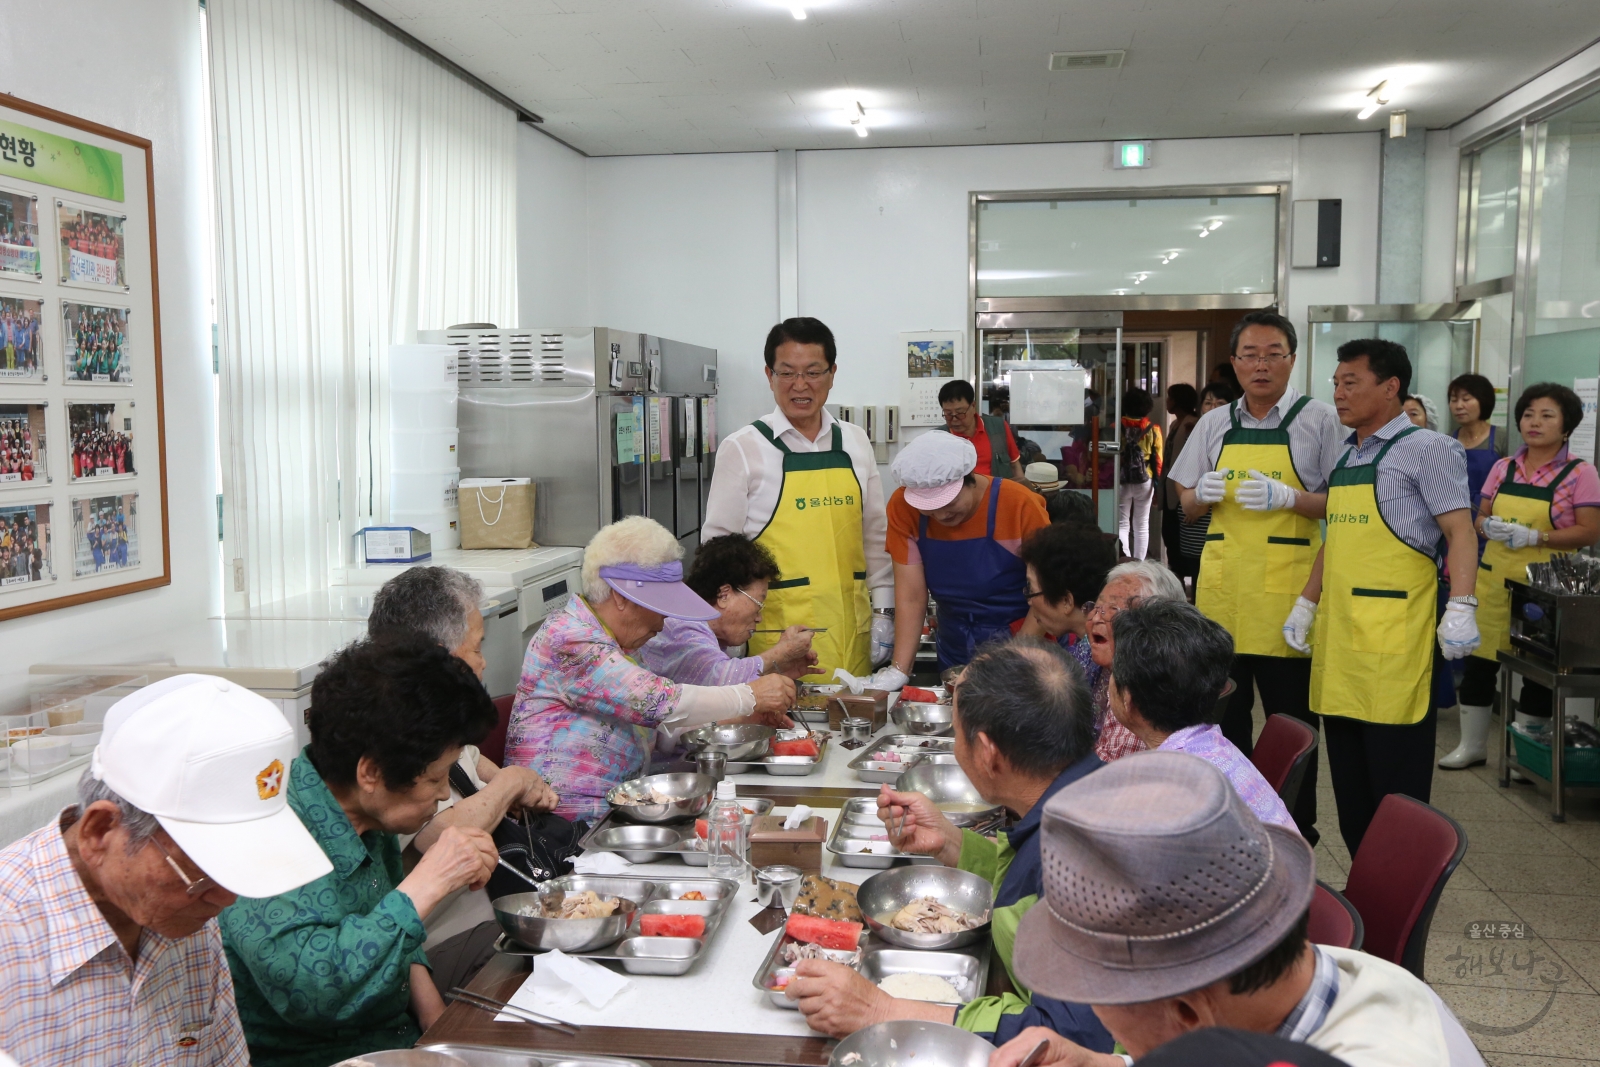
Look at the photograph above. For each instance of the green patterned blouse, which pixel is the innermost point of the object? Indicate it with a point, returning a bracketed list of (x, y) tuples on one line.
[(323, 973)]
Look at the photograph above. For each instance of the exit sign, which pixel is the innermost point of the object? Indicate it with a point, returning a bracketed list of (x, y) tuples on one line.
[(1130, 155)]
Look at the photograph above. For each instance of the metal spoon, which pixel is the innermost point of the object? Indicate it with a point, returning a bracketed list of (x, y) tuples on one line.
[(1034, 1053), (526, 878)]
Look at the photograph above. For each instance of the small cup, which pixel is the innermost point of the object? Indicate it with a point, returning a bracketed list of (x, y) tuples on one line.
[(856, 729), (713, 765), (778, 886)]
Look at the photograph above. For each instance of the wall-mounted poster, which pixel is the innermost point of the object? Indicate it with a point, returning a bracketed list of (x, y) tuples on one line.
[(95, 340), (20, 338), (102, 439), (25, 546), (105, 534), (92, 249), (19, 236), (22, 445), (933, 359)]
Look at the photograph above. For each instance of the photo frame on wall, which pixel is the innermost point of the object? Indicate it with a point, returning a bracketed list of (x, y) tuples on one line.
[(83, 481)]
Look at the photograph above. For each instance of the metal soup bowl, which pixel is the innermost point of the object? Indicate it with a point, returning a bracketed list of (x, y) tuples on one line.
[(950, 790), (918, 718), (568, 935), (691, 793), (403, 1057), (883, 895), (637, 844), (903, 1041), (740, 742)]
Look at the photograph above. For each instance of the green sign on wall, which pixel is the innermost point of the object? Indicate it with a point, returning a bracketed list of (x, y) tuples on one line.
[(59, 161)]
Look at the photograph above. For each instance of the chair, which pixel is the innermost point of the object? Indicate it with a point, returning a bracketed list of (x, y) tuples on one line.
[(1408, 854), (494, 745), (1334, 920), (1282, 753)]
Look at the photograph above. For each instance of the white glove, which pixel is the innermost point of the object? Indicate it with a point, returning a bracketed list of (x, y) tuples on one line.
[(882, 637), (1513, 534), (1458, 630), (1297, 627), (850, 681), (888, 678), (1212, 486), (1260, 493)]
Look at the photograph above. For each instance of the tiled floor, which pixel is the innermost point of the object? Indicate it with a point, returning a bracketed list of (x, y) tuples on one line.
[(1533, 1002)]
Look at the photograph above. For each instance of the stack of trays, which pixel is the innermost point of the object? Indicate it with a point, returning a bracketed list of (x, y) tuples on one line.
[(640, 843)]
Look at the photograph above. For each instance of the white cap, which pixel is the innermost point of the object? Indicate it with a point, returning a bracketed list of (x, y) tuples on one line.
[(727, 791), (932, 468), (210, 760)]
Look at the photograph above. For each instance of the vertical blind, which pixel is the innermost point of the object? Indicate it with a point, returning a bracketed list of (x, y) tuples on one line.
[(364, 192)]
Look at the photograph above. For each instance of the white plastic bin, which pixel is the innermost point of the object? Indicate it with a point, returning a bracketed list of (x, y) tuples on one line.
[(443, 526), (425, 491), (422, 409), (425, 450), (418, 367)]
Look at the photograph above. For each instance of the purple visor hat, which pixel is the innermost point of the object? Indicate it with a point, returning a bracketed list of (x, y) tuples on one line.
[(660, 588)]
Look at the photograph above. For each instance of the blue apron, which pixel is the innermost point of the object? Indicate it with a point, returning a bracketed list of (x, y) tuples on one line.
[(1480, 461), (979, 586)]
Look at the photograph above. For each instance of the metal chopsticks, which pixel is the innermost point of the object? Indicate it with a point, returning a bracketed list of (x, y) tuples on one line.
[(484, 1003)]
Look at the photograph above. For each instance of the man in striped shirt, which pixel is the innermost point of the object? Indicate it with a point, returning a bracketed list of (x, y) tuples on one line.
[(109, 949)]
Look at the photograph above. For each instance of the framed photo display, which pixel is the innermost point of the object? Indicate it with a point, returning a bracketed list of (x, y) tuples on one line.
[(80, 364)]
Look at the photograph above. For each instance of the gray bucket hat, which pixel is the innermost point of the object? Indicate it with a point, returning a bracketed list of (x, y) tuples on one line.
[(1158, 880)]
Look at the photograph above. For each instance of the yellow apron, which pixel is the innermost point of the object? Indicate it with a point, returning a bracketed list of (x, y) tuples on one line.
[(1256, 563), (1529, 505), (1372, 645), (815, 535)]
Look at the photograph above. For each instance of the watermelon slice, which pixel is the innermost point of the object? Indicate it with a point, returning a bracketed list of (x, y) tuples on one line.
[(803, 747), (919, 696), (701, 829), (829, 933), (672, 925)]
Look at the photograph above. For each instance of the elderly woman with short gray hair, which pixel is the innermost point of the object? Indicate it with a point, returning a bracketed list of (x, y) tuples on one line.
[(586, 709), (1127, 584)]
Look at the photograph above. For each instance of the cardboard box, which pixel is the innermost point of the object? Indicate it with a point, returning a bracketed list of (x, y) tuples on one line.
[(801, 847), (873, 704)]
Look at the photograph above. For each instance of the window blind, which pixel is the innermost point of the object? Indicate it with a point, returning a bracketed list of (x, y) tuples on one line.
[(364, 192)]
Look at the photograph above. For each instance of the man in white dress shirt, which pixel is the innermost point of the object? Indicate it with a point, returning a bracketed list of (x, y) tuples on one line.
[(806, 486)]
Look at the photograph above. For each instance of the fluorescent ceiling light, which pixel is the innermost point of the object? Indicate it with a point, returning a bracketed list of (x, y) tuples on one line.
[(798, 12), (1375, 99), (1214, 224)]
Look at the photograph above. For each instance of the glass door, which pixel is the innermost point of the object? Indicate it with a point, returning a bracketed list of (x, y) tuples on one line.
[(1084, 452), (1441, 339)]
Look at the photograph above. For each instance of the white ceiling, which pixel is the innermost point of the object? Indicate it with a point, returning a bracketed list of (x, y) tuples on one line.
[(648, 76)]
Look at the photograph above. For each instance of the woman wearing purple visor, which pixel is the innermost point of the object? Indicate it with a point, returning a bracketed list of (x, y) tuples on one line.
[(587, 711)]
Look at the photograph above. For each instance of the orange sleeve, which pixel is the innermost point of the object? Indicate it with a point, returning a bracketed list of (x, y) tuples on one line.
[(1021, 512), (903, 521)]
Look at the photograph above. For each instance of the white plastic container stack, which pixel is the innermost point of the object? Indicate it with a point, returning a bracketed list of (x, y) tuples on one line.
[(423, 470)]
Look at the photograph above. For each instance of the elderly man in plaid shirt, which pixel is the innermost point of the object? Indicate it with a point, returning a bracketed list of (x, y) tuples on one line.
[(109, 949)]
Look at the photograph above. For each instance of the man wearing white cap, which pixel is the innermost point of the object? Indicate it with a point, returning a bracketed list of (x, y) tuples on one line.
[(957, 535), (109, 948)]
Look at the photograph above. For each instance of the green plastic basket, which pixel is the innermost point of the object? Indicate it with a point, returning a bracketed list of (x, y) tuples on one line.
[(1580, 766)]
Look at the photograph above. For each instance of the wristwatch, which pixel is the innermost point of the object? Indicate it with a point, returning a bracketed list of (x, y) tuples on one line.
[(1469, 600)]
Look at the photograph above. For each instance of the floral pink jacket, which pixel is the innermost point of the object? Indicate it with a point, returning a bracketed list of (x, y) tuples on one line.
[(585, 712)]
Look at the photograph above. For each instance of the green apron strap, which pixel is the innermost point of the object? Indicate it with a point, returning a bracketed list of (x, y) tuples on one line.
[(766, 431)]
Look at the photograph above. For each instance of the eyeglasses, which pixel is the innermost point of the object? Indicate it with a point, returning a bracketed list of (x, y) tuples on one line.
[(193, 886), (788, 377), (1108, 611), (1271, 359), (1029, 596), (760, 604), (956, 416)]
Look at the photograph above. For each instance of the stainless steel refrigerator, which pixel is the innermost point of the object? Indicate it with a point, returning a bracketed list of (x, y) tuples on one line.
[(607, 423)]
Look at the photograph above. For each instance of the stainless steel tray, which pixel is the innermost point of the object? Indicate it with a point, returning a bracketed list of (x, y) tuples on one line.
[(497, 1056), (852, 834), (794, 766), (965, 968), (659, 955), (912, 744), (685, 831)]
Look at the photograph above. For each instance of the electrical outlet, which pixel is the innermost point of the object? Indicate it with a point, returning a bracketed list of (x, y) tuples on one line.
[(238, 576)]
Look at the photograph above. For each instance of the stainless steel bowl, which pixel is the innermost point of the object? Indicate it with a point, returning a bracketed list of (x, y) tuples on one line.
[(692, 793), (951, 792), (901, 1041), (638, 844), (882, 895), (568, 935), (740, 742), (403, 1057), (918, 718)]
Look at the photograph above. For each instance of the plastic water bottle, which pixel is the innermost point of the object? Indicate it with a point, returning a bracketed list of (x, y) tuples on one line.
[(725, 834)]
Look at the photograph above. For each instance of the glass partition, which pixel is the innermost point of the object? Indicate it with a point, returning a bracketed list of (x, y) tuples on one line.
[(1128, 247), (1439, 349), (1493, 190), (1567, 231)]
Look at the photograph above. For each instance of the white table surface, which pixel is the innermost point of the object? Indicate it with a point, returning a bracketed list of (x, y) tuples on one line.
[(835, 772), (722, 977)]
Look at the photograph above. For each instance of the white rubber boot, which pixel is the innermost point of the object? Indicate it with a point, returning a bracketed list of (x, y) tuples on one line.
[(1474, 746)]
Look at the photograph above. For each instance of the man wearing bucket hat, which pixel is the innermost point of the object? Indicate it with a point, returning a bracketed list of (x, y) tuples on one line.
[(109, 948), (957, 535), (587, 711), (1170, 907)]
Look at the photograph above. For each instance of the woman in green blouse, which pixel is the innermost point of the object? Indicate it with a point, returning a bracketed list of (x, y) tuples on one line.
[(336, 968)]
